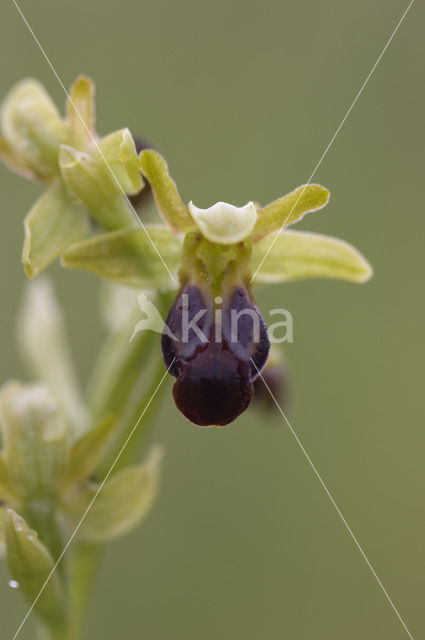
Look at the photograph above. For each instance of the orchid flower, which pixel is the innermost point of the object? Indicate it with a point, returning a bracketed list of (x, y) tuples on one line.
[(216, 341)]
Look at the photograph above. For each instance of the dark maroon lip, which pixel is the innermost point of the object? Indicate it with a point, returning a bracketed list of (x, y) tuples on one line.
[(213, 388), (215, 372)]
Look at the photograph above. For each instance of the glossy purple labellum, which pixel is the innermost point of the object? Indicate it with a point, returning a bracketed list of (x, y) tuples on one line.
[(215, 354)]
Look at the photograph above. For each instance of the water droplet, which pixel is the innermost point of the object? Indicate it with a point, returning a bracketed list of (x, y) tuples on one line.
[(13, 584)]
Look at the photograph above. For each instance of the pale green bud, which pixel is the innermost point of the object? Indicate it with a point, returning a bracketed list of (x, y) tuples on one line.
[(33, 127), (30, 565), (81, 113), (90, 180), (35, 439), (43, 340), (119, 150)]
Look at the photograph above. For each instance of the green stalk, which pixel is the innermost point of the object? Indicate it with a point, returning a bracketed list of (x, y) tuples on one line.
[(125, 381), (138, 419), (86, 558), (127, 388), (117, 369), (85, 563), (41, 516)]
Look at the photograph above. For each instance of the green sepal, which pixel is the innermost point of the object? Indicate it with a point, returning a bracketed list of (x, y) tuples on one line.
[(30, 565), (122, 502), (297, 255), (120, 152), (167, 198), (87, 451), (44, 345), (289, 209), (130, 257), (52, 225), (80, 111), (32, 125), (90, 181)]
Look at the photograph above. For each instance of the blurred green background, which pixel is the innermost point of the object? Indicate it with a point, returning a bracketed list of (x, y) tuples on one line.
[(242, 98)]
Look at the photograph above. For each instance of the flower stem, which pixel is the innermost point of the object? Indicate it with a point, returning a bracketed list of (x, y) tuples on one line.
[(139, 419), (127, 380), (85, 564)]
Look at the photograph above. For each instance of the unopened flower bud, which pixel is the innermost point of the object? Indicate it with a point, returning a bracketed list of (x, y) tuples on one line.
[(31, 567), (32, 125), (91, 182), (35, 439)]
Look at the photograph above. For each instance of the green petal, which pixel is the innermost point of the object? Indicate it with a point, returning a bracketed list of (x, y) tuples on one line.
[(44, 344), (119, 506), (52, 225), (297, 255), (128, 257), (89, 179), (167, 198), (119, 150), (289, 209), (87, 451), (80, 110), (30, 564)]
